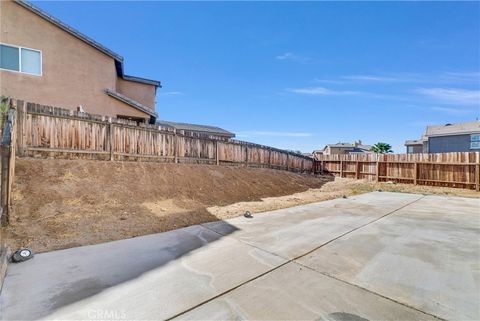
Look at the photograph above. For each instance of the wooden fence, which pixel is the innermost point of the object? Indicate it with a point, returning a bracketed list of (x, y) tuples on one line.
[(42, 131), (60, 133), (445, 169), (7, 165)]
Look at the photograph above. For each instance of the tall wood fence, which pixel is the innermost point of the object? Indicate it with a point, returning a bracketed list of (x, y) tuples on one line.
[(444, 169), (60, 133)]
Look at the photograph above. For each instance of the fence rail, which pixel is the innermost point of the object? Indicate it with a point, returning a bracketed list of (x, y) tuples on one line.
[(55, 132), (460, 169)]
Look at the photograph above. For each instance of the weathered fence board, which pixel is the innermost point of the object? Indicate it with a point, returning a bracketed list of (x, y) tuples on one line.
[(55, 132), (445, 169)]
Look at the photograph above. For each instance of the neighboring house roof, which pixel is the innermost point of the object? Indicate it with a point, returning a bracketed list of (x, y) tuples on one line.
[(196, 128), (414, 142), (131, 102), (453, 129), (363, 148), (345, 145), (74, 32), (355, 147)]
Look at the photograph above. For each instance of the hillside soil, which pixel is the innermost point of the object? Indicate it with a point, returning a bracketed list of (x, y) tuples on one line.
[(59, 204), (65, 203), (337, 188)]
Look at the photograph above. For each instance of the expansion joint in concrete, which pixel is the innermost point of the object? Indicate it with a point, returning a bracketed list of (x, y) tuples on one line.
[(357, 228), (367, 290), (294, 261)]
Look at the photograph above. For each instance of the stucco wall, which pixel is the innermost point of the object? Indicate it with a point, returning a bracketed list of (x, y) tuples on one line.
[(445, 144), (74, 73), (143, 93)]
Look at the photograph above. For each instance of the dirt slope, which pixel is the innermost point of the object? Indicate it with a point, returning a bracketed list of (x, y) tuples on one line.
[(65, 203)]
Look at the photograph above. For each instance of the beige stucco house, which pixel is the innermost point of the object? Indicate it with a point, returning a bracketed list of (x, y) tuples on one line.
[(45, 61), (344, 148)]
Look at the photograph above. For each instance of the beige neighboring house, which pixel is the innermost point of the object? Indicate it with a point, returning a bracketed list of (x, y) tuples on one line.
[(460, 137), (45, 61), (344, 148)]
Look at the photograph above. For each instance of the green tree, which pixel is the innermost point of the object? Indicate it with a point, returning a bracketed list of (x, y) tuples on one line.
[(382, 148)]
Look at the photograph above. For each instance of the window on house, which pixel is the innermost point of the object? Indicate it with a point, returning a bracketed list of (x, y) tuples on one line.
[(31, 61), (9, 58), (20, 59), (475, 141)]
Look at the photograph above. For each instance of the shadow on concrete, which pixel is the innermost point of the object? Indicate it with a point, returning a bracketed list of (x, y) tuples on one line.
[(60, 278)]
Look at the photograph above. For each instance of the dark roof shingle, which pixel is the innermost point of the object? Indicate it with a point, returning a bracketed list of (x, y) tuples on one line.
[(196, 128)]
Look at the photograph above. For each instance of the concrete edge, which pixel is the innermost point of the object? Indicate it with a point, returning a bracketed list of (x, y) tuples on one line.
[(4, 255)]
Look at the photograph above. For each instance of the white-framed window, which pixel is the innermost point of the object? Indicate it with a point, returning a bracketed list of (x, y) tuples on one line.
[(475, 141), (20, 59)]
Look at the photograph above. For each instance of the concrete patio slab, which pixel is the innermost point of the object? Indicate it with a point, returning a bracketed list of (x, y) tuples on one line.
[(293, 292), (295, 231), (151, 277), (426, 256), (377, 256)]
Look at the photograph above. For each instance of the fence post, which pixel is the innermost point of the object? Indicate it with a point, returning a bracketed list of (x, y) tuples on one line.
[(246, 155), (217, 157), (377, 170), (415, 173), (175, 145), (357, 170), (477, 171), (21, 123), (270, 158), (110, 132), (288, 159), (341, 168), (7, 154)]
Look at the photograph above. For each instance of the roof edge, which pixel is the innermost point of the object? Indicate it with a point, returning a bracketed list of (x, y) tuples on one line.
[(220, 132), (468, 132), (133, 103), (413, 142), (152, 82), (74, 32)]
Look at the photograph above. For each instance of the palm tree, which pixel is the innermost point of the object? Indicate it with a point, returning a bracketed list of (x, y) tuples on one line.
[(382, 148)]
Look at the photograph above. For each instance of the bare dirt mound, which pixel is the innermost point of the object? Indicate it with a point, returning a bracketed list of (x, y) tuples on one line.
[(65, 203)]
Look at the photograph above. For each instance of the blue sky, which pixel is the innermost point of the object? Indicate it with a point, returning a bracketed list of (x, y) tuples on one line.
[(298, 75)]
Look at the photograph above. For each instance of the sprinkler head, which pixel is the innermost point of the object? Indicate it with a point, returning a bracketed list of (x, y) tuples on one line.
[(22, 255)]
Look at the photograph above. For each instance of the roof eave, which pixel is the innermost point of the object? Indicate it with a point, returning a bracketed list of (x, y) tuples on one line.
[(454, 134), (71, 30), (133, 103), (152, 82)]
